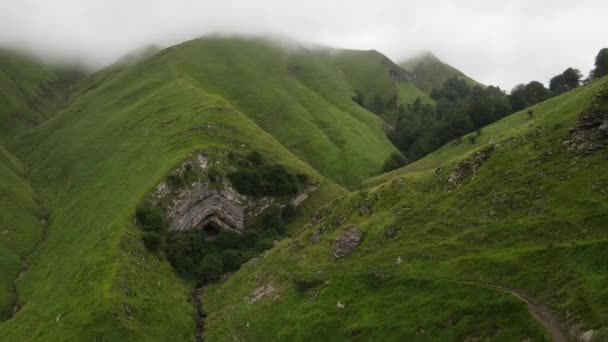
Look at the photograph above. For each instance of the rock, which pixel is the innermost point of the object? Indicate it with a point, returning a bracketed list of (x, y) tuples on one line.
[(261, 292), (591, 129), (315, 238), (587, 335), (391, 231), (399, 260), (207, 205), (469, 166), (348, 240), (340, 305)]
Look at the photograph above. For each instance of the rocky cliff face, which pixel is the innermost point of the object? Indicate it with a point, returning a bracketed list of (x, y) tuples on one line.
[(211, 205), (590, 133)]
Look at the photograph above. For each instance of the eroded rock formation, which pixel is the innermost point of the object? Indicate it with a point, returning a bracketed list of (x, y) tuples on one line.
[(346, 243), (210, 205), (590, 133), (469, 166)]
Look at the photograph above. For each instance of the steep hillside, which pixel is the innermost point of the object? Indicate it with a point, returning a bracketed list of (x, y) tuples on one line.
[(123, 131), (428, 72), (301, 96), (21, 226), (461, 245)]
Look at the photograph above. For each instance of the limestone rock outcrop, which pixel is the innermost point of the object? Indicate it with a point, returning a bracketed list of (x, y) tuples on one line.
[(211, 205), (590, 133), (346, 243), (469, 166)]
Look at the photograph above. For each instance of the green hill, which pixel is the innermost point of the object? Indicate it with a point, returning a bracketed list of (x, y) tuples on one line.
[(445, 252), (440, 257), (428, 72), (93, 154)]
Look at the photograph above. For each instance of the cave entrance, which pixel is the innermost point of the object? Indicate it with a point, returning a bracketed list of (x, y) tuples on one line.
[(211, 230)]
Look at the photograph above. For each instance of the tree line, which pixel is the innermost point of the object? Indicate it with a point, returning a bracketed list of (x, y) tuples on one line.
[(461, 108)]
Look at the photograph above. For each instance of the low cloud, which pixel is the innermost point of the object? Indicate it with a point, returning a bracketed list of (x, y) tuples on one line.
[(501, 43)]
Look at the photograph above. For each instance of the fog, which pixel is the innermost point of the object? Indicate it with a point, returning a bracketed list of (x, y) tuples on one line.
[(501, 43)]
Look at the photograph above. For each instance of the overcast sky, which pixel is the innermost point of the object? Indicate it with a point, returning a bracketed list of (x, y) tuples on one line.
[(496, 42)]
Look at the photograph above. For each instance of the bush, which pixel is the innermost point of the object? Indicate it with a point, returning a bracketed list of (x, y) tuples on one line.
[(255, 158), (214, 174), (472, 139), (211, 268), (288, 212), (232, 260), (175, 181), (152, 241), (264, 244), (150, 217), (267, 180), (228, 240)]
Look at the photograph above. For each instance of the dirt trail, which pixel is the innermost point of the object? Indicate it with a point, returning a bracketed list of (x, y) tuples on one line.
[(539, 310), (45, 232), (542, 314), (199, 314)]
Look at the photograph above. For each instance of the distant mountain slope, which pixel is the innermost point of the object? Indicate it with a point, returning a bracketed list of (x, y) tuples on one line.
[(302, 96), (430, 73), (446, 248)]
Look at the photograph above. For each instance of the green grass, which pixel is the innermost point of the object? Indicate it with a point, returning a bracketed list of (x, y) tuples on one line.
[(532, 219), (20, 226)]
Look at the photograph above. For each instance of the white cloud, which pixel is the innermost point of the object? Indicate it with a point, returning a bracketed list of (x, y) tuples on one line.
[(501, 43)]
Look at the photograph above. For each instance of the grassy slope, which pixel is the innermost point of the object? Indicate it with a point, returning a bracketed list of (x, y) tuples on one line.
[(92, 163), (21, 79), (533, 219), (298, 95), (20, 226), (431, 73)]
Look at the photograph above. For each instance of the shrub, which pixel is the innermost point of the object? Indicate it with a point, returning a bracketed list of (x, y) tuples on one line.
[(264, 244), (267, 180), (214, 174), (229, 239), (302, 178), (304, 285), (175, 181), (150, 217), (255, 158), (530, 113), (472, 139), (288, 212), (232, 260), (152, 241), (211, 268)]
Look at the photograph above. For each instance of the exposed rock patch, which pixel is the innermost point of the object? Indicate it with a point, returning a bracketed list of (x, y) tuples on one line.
[(590, 133), (469, 166), (261, 292), (211, 204), (348, 240)]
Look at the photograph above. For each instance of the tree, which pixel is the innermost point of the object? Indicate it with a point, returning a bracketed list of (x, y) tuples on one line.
[(601, 64), (525, 95), (530, 113), (568, 80)]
